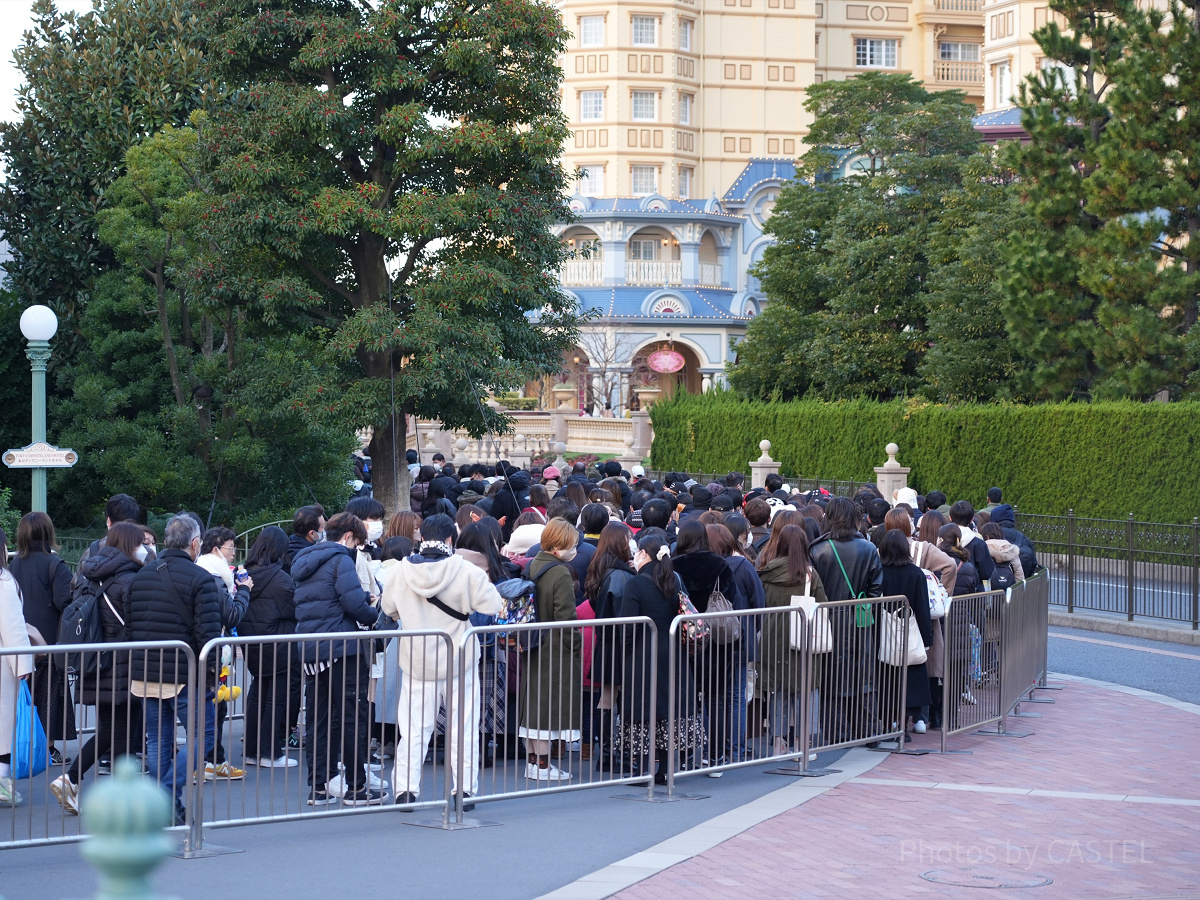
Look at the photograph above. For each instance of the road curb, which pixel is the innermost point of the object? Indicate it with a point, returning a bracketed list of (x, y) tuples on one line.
[(1127, 629)]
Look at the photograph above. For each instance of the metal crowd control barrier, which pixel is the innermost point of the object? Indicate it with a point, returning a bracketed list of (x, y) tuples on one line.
[(819, 699), (972, 665), (572, 695), (352, 684), (83, 705)]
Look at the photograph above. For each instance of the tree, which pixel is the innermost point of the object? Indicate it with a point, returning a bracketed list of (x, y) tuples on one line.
[(1100, 289), (970, 356), (391, 169), (93, 85), (178, 399), (609, 350), (848, 274)]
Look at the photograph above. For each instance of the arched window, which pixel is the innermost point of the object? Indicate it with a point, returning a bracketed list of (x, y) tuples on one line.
[(666, 306)]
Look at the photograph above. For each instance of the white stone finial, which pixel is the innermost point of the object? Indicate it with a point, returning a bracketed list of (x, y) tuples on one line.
[(519, 440), (460, 444), (765, 447), (629, 440), (891, 450)]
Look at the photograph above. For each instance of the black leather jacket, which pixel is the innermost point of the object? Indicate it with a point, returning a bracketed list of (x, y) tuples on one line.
[(860, 560)]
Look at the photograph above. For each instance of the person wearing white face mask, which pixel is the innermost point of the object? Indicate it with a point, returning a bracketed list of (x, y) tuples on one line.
[(108, 572), (551, 690), (367, 561)]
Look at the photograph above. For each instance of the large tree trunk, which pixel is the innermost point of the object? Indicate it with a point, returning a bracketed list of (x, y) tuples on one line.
[(390, 478)]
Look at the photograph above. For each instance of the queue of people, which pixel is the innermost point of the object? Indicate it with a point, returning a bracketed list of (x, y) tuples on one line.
[(475, 545)]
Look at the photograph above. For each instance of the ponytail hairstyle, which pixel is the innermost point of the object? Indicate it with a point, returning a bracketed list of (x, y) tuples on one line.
[(662, 572)]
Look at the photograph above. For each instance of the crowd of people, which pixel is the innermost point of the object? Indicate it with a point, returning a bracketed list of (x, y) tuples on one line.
[(479, 545)]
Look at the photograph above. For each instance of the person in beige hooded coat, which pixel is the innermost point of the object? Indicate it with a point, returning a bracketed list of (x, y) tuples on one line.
[(435, 590)]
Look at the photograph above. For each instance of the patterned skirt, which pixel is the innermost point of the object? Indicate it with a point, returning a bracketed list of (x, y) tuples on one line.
[(690, 737)]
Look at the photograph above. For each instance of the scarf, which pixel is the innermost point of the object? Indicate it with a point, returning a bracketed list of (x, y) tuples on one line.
[(434, 549)]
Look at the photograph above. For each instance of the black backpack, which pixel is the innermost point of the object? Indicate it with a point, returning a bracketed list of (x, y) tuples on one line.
[(1003, 577), (81, 624)]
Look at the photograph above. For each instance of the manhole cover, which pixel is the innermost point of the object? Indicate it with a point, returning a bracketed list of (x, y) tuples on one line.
[(985, 878)]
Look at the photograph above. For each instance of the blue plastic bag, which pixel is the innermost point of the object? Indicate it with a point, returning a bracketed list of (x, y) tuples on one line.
[(30, 751)]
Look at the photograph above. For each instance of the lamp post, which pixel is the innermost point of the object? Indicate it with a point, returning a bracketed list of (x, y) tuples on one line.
[(38, 324)]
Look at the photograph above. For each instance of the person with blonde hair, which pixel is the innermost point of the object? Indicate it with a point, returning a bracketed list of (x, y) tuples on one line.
[(551, 695)]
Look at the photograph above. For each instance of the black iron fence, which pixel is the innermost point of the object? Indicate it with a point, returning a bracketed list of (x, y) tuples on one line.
[(1124, 567)]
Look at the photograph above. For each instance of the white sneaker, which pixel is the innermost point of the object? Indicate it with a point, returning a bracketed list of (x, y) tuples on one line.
[(919, 726), (67, 793), (534, 772), (337, 785), (968, 697), (283, 762), (8, 793)]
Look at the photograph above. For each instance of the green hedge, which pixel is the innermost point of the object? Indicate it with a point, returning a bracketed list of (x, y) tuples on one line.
[(1105, 460)]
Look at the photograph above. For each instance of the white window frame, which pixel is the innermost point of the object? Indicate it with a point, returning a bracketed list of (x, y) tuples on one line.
[(591, 106), (952, 51), (640, 98), (1003, 83), (687, 34), (638, 247), (876, 53), (638, 29), (636, 172), (687, 108), (591, 31), (687, 177), (591, 181)]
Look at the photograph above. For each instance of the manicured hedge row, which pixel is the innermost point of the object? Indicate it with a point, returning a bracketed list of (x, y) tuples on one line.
[(1105, 460)]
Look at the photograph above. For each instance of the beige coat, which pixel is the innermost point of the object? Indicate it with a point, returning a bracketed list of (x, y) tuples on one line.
[(940, 563), (12, 634)]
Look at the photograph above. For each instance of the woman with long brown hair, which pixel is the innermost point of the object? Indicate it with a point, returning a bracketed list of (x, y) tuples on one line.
[(786, 571), (608, 573), (45, 583)]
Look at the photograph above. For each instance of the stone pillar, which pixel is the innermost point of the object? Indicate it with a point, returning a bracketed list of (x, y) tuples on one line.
[(643, 434), (763, 466), (560, 461), (597, 394), (891, 476), (460, 453), (559, 419), (520, 456), (629, 458)]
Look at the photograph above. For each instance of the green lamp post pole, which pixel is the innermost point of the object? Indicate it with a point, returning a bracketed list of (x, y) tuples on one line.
[(38, 324)]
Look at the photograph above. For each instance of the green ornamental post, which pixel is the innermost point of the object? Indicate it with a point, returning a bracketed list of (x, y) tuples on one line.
[(127, 816), (39, 324)]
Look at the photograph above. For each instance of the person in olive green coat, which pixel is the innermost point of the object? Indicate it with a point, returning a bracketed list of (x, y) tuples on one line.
[(552, 689), (784, 567)]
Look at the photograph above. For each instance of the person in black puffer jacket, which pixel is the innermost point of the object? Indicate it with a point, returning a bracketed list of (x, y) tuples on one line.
[(273, 701), (190, 612), (109, 571), (330, 599)]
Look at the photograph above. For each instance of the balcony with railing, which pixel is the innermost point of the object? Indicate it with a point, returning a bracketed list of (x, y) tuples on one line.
[(958, 72), (710, 275), (963, 6), (653, 271), (582, 271)]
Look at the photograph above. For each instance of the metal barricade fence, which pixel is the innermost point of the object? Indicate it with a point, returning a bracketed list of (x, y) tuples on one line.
[(346, 687), (972, 664), (553, 706), (83, 705), (1024, 636), (825, 690)]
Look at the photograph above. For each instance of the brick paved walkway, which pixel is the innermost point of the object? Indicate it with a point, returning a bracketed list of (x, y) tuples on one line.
[(1104, 800)]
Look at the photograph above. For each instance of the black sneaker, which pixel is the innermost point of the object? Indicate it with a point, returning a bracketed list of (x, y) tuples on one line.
[(180, 814), (363, 797), (294, 741), (319, 797), (103, 766), (406, 798), (467, 804), (57, 759)]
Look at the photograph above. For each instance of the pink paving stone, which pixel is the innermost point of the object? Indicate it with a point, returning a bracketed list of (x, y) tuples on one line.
[(850, 842)]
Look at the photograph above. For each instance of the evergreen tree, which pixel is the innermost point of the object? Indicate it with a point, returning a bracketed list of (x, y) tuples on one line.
[(848, 274), (391, 169)]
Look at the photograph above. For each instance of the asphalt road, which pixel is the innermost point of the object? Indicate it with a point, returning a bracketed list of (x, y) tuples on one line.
[(1169, 669)]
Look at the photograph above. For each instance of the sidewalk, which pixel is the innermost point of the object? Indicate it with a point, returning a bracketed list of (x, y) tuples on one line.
[(1102, 801)]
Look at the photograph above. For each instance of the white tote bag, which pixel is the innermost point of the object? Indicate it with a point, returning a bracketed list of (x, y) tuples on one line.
[(808, 614), (891, 641)]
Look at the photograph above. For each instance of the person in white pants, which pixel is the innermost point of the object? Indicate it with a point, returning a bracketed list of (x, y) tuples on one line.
[(434, 590)]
